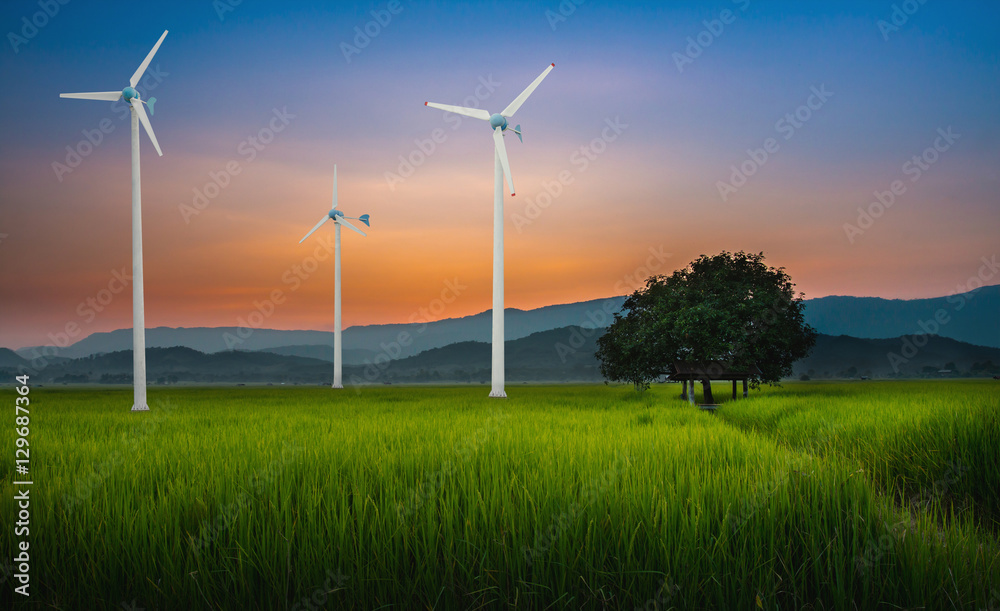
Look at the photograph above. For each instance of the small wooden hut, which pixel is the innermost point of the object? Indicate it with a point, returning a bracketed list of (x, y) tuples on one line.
[(698, 371)]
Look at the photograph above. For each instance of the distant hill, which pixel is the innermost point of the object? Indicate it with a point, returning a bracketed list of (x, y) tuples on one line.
[(367, 340), (9, 358), (202, 339), (166, 365), (544, 356), (972, 317), (556, 355), (325, 353), (842, 356)]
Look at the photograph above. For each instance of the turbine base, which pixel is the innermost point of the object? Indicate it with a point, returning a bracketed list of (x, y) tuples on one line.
[(498, 394), (337, 386), (140, 408)]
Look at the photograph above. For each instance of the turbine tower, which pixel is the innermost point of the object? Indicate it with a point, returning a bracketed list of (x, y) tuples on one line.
[(131, 96), (338, 219), (498, 121)]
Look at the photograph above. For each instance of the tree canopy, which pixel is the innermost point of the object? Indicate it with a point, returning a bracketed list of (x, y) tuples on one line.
[(727, 307)]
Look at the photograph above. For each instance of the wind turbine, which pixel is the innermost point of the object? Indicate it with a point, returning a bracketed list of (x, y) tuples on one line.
[(498, 121), (338, 219), (131, 96)]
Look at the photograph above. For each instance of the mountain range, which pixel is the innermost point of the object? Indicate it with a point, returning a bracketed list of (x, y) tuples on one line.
[(556, 355), (971, 317), (360, 342)]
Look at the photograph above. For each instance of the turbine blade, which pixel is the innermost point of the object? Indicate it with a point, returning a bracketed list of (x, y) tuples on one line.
[(334, 187), (343, 222), (313, 230), (475, 113), (139, 110), (502, 151), (510, 110), (145, 63), (109, 96)]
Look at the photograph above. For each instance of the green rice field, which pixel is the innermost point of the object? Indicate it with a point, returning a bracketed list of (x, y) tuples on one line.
[(849, 495)]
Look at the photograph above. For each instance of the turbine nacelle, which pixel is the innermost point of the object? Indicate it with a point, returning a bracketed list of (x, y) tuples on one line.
[(337, 216), (130, 95), (498, 120)]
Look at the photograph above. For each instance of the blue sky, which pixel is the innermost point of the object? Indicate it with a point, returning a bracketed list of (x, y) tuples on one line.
[(656, 186)]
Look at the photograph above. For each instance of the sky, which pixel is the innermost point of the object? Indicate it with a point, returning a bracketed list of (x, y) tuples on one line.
[(665, 131)]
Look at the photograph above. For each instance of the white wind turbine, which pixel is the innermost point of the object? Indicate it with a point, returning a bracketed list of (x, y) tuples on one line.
[(130, 95), (338, 219), (498, 122)]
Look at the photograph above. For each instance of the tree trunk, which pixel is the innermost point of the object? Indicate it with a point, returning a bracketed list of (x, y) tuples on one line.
[(684, 390), (706, 386)]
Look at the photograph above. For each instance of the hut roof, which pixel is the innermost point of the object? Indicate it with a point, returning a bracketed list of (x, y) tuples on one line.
[(712, 370)]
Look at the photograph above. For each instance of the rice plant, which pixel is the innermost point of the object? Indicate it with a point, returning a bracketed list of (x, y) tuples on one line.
[(561, 497)]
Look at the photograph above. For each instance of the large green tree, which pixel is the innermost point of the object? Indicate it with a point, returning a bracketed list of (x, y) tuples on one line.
[(727, 307), (624, 354)]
